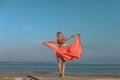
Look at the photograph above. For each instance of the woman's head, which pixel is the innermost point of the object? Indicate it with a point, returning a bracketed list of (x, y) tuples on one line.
[(59, 35)]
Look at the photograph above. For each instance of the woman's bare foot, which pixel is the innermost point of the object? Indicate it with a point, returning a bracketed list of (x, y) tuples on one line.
[(62, 76)]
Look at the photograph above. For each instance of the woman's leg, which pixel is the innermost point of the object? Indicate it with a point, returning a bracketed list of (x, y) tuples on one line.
[(59, 65), (63, 67)]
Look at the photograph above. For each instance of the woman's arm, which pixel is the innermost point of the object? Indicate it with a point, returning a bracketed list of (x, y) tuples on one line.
[(72, 36), (50, 41)]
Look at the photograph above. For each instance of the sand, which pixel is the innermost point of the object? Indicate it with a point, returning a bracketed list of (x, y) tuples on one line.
[(46, 76)]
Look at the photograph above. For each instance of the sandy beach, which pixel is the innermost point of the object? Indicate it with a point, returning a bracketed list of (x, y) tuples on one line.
[(46, 76)]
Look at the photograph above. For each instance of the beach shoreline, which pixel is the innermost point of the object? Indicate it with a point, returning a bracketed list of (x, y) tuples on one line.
[(48, 76)]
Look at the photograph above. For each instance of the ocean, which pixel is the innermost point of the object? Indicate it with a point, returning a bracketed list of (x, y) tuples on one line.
[(71, 68)]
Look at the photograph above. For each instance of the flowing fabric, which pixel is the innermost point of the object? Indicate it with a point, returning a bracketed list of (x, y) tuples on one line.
[(72, 52)]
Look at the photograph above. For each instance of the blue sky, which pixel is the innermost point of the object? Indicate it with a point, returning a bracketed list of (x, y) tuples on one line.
[(24, 24)]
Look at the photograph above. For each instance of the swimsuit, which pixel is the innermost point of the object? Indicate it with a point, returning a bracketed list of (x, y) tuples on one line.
[(72, 52), (64, 44)]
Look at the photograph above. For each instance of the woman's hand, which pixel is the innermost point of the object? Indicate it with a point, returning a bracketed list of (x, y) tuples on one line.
[(44, 42), (78, 34)]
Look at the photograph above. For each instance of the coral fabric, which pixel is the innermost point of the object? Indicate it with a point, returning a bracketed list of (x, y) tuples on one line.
[(72, 52)]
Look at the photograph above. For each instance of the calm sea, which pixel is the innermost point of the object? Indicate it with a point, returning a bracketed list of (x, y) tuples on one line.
[(71, 68)]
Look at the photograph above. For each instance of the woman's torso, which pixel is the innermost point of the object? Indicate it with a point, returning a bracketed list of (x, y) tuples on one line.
[(62, 43)]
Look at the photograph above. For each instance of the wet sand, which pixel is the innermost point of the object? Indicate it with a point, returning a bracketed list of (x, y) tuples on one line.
[(46, 76)]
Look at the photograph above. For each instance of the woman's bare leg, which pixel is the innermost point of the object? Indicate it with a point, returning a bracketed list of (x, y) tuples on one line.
[(59, 65), (63, 67)]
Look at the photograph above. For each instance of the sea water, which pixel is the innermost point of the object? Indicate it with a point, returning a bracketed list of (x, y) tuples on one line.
[(75, 68)]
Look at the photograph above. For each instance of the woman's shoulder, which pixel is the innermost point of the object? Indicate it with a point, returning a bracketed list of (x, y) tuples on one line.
[(64, 39)]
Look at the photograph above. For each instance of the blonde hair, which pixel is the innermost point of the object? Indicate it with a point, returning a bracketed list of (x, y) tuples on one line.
[(59, 35)]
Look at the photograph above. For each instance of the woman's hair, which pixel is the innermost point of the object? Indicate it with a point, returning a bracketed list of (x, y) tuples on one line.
[(59, 35)]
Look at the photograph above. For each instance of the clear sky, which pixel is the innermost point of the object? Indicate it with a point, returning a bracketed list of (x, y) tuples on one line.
[(24, 24)]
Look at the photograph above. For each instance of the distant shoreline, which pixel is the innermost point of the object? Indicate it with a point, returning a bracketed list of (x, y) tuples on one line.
[(56, 62)]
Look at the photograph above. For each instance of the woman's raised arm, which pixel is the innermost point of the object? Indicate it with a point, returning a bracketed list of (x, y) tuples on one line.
[(72, 36), (50, 41)]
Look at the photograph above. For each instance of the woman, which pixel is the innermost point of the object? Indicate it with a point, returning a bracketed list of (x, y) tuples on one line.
[(61, 51)]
